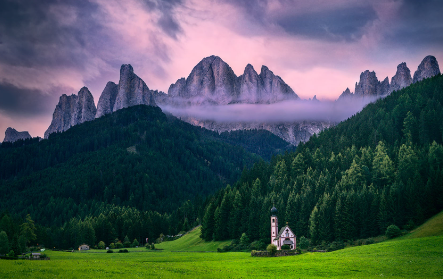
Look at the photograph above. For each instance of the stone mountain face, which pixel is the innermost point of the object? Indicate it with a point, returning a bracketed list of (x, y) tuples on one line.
[(370, 86), (402, 78), (132, 90), (106, 102), (213, 82), (12, 135), (427, 68), (72, 110)]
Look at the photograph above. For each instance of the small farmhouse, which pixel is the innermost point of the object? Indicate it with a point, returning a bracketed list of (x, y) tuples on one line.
[(283, 237), (83, 247)]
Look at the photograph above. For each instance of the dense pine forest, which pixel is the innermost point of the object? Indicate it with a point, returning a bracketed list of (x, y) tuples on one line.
[(380, 167), (136, 173)]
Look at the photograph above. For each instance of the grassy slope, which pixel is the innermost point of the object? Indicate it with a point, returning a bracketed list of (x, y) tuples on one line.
[(192, 242), (432, 227), (408, 258)]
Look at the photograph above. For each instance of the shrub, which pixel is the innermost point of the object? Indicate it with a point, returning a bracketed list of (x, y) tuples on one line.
[(258, 245), (101, 245), (126, 242), (244, 239), (119, 245), (286, 247), (135, 243), (110, 251), (112, 246), (393, 231), (271, 249), (11, 254), (123, 251), (152, 246)]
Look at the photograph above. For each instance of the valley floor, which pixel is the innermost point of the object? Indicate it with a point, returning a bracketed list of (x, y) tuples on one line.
[(408, 258)]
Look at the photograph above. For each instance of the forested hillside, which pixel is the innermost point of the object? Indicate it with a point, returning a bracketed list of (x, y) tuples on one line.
[(122, 174), (382, 166)]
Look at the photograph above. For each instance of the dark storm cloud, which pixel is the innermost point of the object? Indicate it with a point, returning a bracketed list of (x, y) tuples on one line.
[(332, 25), (418, 24), (38, 33), (167, 22), (16, 101)]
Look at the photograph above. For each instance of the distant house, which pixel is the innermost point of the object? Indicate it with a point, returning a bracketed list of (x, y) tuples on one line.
[(36, 255), (83, 247), (283, 237)]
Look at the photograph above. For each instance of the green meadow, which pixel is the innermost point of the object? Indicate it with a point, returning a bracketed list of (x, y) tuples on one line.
[(409, 257)]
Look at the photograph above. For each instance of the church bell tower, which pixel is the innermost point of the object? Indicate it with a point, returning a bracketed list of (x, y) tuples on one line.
[(274, 225)]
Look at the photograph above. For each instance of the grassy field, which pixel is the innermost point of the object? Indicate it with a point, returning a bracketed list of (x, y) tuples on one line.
[(432, 227), (411, 256), (408, 258), (192, 242)]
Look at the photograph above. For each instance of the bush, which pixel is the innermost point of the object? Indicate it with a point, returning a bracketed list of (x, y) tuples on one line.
[(123, 251), (110, 251), (119, 245), (286, 247), (258, 245), (126, 242), (101, 245), (112, 246), (393, 231), (152, 246), (11, 254), (244, 239), (135, 243), (272, 249)]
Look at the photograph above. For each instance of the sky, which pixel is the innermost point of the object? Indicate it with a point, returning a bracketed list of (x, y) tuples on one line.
[(318, 47)]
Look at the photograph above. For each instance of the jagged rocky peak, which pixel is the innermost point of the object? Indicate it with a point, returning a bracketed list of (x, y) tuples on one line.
[(107, 99), (427, 68), (402, 78), (367, 86), (212, 81), (132, 90), (383, 87), (12, 135), (275, 89), (84, 109), (72, 110), (251, 86)]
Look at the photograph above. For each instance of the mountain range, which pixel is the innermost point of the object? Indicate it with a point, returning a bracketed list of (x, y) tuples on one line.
[(211, 83)]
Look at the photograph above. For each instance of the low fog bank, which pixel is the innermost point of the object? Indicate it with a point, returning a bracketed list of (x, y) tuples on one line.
[(285, 111)]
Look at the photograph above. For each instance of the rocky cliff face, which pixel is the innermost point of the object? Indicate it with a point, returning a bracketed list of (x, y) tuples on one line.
[(369, 86), (212, 82), (12, 135), (132, 90), (346, 95), (292, 132), (106, 102), (72, 110), (401, 79), (427, 68)]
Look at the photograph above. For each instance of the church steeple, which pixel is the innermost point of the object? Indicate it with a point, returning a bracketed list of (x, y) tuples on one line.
[(274, 225)]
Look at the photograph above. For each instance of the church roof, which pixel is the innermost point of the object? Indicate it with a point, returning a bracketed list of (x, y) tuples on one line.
[(282, 230)]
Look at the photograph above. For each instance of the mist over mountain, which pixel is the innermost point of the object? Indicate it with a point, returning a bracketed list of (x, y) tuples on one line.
[(212, 96)]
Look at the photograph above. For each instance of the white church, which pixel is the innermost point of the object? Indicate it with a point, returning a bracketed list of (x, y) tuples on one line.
[(283, 237)]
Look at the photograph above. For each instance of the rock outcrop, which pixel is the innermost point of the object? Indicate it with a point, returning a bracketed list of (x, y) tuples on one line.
[(427, 68), (369, 86), (106, 101), (132, 90), (12, 135), (72, 110), (213, 82), (401, 79), (346, 95)]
